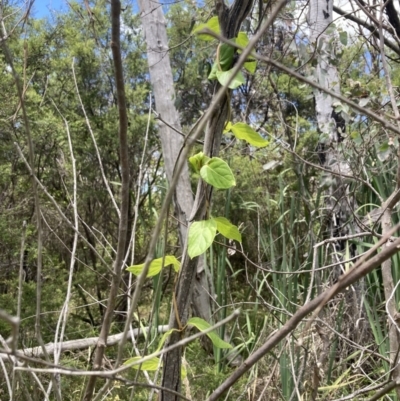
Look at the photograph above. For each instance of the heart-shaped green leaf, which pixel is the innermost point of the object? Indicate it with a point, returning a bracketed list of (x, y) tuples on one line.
[(227, 229), (201, 236), (217, 173)]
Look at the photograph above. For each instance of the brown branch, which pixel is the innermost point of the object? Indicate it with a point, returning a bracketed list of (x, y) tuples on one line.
[(123, 222), (371, 28), (388, 387)]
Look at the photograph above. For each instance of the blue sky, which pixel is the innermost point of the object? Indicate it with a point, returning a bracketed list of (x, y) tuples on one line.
[(44, 8)]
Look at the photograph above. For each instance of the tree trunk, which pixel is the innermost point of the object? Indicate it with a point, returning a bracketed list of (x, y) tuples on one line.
[(331, 125), (340, 204), (154, 27)]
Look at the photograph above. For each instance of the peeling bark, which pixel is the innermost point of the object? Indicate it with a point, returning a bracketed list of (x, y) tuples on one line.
[(331, 125), (154, 27)]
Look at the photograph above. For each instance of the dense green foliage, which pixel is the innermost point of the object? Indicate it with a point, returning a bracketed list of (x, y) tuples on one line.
[(271, 189)]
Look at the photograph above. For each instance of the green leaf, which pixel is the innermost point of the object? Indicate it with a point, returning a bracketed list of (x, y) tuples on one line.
[(224, 77), (163, 339), (250, 66), (213, 73), (155, 266), (339, 107), (226, 54), (212, 24), (356, 137), (202, 325), (343, 37), (217, 173), (151, 364), (201, 236), (198, 160), (227, 229), (384, 151), (242, 39), (245, 132), (228, 127)]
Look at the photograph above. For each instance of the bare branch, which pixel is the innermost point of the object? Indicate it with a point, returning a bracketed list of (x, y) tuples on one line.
[(83, 343), (56, 205), (94, 142), (123, 222)]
